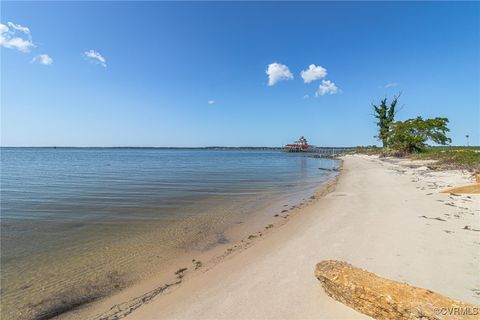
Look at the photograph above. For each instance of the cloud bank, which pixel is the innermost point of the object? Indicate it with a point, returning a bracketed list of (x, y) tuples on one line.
[(277, 72)]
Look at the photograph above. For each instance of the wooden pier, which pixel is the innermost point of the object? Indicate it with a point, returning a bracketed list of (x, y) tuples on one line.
[(331, 151)]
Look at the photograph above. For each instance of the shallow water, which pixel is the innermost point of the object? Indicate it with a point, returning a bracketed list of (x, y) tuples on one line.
[(79, 222)]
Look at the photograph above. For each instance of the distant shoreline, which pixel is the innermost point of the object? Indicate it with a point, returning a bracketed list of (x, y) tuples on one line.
[(165, 148)]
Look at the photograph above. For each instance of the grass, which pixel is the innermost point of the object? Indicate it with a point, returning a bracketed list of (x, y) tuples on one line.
[(369, 150), (467, 158), (450, 157)]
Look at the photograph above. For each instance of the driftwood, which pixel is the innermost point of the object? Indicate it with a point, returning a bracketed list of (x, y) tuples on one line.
[(473, 188), (382, 298)]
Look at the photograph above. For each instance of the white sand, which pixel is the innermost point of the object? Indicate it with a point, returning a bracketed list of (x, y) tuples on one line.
[(373, 220)]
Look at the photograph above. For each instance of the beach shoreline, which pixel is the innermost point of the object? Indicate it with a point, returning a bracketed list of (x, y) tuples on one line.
[(385, 215), (234, 239), (101, 234)]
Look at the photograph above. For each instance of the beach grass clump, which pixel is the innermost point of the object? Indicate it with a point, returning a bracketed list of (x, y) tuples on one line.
[(368, 150), (447, 157), (464, 158)]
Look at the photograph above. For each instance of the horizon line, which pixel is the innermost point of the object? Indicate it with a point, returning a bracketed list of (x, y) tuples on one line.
[(181, 147), (204, 147)]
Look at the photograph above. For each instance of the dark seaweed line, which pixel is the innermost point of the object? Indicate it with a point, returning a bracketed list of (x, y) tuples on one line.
[(65, 307), (121, 310)]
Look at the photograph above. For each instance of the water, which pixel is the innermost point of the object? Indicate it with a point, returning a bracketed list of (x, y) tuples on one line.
[(78, 222)]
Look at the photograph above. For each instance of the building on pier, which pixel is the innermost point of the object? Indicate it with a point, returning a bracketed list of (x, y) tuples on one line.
[(299, 146)]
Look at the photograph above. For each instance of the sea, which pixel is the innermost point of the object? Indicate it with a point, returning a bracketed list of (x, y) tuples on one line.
[(80, 223)]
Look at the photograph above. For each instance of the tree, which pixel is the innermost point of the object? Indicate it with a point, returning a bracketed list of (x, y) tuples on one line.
[(385, 116), (412, 135)]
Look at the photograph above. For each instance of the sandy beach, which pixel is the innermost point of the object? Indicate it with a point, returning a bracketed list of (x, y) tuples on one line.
[(385, 215), (244, 160)]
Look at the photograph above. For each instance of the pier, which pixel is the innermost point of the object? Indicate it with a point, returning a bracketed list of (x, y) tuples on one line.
[(302, 145), (331, 151)]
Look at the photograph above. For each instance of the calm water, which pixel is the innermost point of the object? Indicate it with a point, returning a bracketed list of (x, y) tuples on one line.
[(71, 218)]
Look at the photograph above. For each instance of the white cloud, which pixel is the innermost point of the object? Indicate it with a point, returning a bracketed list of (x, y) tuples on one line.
[(313, 73), (9, 37), (325, 87), (18, 27), (211, 101), (95, 57), (16, 43), (277, 72), (391, 85), (43, 59), (306, 96), (3, 28)]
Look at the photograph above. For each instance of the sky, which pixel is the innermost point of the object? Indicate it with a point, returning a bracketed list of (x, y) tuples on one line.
[(192, 74)]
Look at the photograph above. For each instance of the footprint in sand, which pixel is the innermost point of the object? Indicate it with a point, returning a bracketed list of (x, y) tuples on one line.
[(436, 218)]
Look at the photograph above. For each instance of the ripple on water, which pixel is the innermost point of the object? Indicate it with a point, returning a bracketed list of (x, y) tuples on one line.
[(79, 224)]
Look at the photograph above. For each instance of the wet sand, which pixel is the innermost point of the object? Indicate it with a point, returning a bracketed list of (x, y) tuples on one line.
[(91, 273), (386, 216), (140, 261)]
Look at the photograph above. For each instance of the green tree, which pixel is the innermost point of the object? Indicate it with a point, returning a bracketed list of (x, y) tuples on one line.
[(385, 116), (412, 135)]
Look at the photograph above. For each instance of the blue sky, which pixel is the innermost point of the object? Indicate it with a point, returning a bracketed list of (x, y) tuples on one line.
[(194, 74)]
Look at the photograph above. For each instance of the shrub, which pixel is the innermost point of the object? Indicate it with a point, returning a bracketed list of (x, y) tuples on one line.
[(412, 135)]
